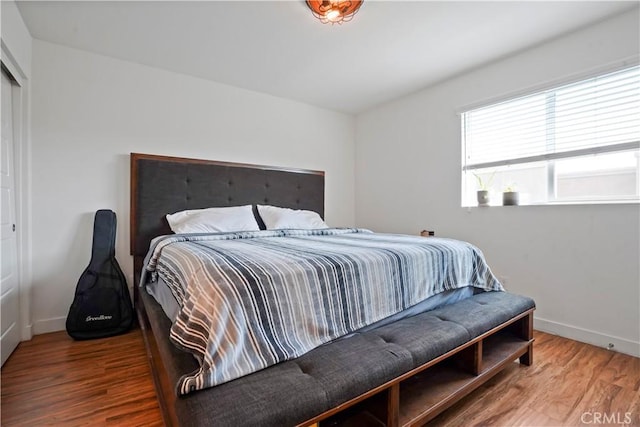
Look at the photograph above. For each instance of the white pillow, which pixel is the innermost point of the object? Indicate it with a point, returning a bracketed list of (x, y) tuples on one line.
[(278, 218), (213, 220)]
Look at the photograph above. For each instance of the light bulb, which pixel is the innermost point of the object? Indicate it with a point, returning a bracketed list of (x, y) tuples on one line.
[(332, 15)]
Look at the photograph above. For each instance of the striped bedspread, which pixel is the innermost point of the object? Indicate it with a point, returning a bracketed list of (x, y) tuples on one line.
[(252, 299)]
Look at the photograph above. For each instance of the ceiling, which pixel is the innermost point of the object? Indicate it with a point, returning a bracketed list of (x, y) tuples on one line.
[(390, 49)]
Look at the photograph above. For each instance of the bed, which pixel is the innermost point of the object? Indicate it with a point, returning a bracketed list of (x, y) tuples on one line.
[(300, 374)]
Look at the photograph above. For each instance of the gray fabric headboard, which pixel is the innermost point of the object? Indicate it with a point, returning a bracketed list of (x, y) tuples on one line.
[(162, 185)]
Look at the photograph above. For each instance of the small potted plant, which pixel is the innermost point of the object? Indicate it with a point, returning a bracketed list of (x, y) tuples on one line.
[(510, 196), (483, 189)]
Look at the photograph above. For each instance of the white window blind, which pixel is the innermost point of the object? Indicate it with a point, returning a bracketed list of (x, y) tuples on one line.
[(598, 115)]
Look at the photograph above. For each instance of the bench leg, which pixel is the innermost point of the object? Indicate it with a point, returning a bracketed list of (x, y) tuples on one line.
[(527, 358), (526, 331)]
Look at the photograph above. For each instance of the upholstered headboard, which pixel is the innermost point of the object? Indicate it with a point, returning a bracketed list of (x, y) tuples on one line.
[(162, 185)]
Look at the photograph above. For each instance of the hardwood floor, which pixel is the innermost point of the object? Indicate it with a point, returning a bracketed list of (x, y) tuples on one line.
[(569, 384), (53, 380)]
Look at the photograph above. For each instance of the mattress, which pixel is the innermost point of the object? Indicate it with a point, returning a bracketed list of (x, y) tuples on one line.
[(241, 302)]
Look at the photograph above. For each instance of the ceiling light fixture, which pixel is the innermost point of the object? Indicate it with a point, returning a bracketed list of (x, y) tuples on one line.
[(334, 11)]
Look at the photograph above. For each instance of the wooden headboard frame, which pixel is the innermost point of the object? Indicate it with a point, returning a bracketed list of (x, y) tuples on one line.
[(162, 185)]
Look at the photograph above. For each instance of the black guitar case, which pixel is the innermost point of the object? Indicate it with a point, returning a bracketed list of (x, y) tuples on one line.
[(101, 306)]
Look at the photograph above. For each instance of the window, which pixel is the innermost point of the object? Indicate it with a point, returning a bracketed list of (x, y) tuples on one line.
[(574, 143)]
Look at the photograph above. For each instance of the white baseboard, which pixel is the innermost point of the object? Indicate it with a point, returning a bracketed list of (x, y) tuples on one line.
[(27, 332), (598, 339), (45, 326)]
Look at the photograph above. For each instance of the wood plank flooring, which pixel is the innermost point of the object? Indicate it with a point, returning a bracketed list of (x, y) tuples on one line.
[(569, 384), (53, 380)]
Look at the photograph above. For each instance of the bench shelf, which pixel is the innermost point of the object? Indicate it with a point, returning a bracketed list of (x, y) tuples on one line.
[(420, 395)]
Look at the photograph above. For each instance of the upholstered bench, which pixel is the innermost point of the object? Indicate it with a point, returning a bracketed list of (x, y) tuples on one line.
[(372, 367)]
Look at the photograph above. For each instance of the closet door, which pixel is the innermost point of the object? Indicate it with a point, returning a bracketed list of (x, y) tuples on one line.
[(9, 284)]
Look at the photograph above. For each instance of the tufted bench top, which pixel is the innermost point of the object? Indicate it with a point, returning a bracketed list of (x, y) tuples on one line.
[(297, 390)]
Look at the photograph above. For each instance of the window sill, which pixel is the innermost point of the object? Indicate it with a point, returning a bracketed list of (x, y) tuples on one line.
[(562, 203)]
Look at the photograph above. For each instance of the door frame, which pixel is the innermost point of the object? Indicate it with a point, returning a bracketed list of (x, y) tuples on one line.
[(22, 174)]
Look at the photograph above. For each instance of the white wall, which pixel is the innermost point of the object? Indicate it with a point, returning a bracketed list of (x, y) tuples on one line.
[(91, 111), (16, 56), (15, 37), (579, 262)]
